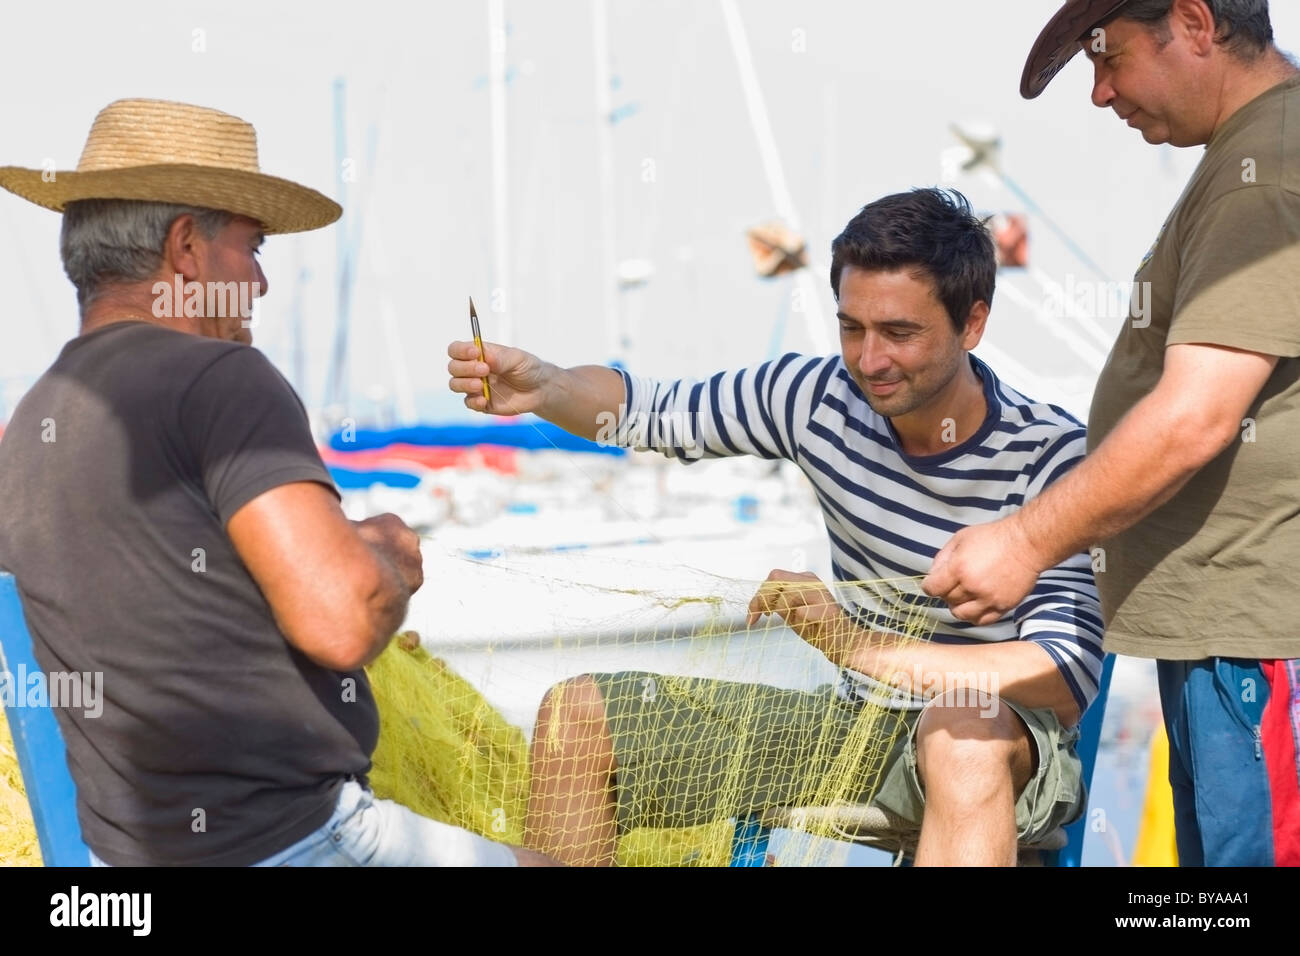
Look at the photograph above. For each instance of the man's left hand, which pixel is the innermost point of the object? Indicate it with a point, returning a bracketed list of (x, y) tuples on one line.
[(984, 571), (807, 607)]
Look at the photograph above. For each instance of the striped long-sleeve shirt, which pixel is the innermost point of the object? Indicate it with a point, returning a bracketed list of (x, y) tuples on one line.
[(888, 513)]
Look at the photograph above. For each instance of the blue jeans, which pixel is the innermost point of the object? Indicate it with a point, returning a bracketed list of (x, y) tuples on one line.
[(367, 831), (1213, 709)]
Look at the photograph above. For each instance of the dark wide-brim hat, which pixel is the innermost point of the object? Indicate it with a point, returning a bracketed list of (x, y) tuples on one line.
[(159, 151), (1060, 41)]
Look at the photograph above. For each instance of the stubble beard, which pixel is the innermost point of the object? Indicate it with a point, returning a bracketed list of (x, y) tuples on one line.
[(914, 392)]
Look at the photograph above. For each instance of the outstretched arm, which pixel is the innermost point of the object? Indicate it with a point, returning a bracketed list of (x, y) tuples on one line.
[(754, 411), (1192, 415), (1023, 671)]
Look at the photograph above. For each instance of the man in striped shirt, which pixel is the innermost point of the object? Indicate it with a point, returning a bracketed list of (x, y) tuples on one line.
[(907, 438)]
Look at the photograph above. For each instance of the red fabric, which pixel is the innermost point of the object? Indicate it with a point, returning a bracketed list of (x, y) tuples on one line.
[(1280, 736), (496, 457)]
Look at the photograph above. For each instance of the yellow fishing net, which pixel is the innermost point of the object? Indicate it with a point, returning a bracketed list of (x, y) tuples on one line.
[(500, 731), (17, 832), (503, 736)]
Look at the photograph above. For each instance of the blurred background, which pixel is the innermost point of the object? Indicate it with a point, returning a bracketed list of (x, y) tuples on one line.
[(606, 201)]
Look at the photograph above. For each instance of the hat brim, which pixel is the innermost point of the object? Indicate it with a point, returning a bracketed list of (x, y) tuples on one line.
[(1059, 41), (279, 205)]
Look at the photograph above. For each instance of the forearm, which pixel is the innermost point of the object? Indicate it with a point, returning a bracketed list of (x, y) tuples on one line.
[(386, 603), (1152, 453), (1019, 671), (586, 400)]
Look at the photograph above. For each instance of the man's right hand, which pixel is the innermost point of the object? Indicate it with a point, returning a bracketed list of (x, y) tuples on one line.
[(585, 400), (516, 378), (392, 538)]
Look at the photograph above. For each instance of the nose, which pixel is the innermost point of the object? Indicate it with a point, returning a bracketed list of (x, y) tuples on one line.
[(874, 359), (1103, 94), (263, 286)]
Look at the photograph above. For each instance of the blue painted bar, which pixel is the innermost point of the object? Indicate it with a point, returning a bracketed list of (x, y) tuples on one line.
[(1089, 740), (39, 743), (749, 844)]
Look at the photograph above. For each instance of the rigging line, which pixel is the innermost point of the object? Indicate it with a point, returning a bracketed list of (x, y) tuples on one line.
[(782, 199)]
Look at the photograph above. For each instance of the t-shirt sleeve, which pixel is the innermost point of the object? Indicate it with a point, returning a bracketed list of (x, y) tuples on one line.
[(754, 411), (1238, 274), (247, 431), (1062, 614)]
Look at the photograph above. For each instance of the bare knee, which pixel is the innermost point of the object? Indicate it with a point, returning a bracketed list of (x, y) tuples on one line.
[(974, 747), (571, 719)]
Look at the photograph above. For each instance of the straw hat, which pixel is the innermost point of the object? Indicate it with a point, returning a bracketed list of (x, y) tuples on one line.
[(159, 151)]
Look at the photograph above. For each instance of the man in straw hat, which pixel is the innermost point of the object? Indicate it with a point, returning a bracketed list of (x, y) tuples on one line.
[(171, 526), (1190, 485)]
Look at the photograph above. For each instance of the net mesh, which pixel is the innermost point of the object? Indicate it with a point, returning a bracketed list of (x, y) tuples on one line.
[(18, 846), (491, 721), (602, 722)]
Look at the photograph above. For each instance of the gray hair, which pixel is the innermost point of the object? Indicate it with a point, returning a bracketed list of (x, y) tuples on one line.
[(105, 241), (1242, 27)]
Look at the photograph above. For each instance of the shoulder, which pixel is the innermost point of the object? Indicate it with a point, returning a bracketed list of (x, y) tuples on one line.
[(171, 356), (1029, 425), (206, 360), (1262, 152), (819, 374), (794, 365), (797, 378), (212, 370)]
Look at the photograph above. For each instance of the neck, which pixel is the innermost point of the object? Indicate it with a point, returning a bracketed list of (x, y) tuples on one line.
[(1241, 86), (947, 420), (130, 303)]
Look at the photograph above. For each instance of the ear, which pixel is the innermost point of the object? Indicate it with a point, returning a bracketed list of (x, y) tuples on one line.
[(1192, 19), (182, 249), (975, 322)]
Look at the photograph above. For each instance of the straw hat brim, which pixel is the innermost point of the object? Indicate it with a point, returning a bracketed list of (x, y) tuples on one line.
[(278, 204)]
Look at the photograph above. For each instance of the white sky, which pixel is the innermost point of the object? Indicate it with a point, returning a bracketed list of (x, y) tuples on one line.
[(863, 111)]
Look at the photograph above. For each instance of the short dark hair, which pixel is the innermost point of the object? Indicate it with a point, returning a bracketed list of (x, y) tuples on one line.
[(1242, 27), (932, 230)]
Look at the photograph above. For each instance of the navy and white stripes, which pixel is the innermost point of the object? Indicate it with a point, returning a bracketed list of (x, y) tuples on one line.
[(887, 514)]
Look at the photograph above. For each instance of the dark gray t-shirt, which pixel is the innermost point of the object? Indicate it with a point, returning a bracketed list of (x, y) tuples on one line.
[(218, 743)]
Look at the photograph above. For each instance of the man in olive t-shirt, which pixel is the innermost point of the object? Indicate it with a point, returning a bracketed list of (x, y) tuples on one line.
[(1191, 485)]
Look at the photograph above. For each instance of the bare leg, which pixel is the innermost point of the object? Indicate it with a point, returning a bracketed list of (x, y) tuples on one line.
[(973, 761), (571, 803), (532, 857)]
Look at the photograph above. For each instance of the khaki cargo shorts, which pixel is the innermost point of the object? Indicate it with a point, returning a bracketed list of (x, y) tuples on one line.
[(690, 751)]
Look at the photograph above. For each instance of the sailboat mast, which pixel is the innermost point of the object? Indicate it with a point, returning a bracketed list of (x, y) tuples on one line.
[(782, 199), (336, 389), (618, 335), (502, 292)]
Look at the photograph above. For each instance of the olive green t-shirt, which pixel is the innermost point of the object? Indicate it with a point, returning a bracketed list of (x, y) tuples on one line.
[(1212, 571)]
